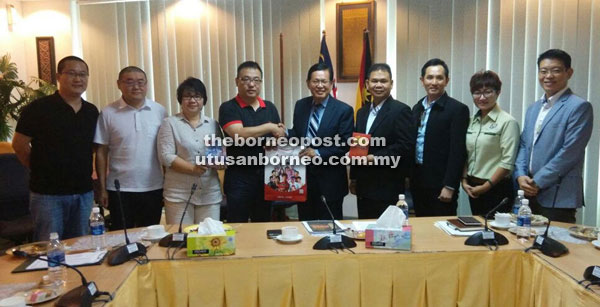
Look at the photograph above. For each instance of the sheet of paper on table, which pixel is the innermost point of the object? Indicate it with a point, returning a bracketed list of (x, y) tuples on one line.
[(7, 290), (361, 225), (451, 230), (321, 228), (71, 259)]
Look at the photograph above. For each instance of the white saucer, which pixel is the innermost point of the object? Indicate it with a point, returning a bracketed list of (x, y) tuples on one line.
[(534, 231), (155, 238), (298, 238), (596, 243), (502, 227)]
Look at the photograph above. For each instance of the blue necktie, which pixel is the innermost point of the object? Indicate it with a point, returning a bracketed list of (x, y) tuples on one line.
[(313, 125)]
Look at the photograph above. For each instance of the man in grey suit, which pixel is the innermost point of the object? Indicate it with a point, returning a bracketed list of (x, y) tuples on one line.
[(556, 131)]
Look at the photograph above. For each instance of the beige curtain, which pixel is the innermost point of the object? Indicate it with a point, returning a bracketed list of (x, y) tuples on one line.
[(206, 39), (504, 36)]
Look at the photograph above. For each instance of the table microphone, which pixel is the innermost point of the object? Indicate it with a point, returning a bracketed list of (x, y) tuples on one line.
[(544, 243), (591, 275), (178, 239), (129, 250), (547, 245), (334, 241), (487, 236), (80, 296)]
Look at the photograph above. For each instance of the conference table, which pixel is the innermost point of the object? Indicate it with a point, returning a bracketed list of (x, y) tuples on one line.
[(438, 271)]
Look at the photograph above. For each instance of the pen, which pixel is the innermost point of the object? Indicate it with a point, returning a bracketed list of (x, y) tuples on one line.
[(452, 226)]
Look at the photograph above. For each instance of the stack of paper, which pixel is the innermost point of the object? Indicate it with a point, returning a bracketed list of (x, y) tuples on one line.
[(322, 227), (72, 259), (451, 229), (361, 225)]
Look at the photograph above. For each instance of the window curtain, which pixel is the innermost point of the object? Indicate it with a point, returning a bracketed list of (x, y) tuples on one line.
[(172, 40)]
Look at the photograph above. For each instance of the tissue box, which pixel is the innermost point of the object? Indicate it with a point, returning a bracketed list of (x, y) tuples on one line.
[(211, 245), (388, 238)]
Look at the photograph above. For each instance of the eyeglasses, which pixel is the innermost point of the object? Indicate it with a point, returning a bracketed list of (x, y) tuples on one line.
[(553, 71), (248, 80), (73, 74), (486, 94), (131, 83), (319, 82), (189, 98)]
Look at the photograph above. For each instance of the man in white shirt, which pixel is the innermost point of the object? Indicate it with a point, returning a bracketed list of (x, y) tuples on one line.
[(556, 130), (126, 151)]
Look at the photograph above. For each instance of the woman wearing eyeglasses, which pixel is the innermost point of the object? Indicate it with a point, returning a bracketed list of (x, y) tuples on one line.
[(180, 139), (492, 144)]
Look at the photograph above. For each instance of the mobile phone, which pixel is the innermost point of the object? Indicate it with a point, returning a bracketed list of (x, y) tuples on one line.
[(272, 233), (469, 221)]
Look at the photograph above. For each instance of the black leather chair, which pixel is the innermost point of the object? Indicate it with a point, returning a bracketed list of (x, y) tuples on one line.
[(16, 223)]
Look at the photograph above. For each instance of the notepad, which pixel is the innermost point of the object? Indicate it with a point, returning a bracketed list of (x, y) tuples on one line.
[(78, 259)]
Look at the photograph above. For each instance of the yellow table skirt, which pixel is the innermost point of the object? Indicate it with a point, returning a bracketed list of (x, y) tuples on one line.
[(502, 278)]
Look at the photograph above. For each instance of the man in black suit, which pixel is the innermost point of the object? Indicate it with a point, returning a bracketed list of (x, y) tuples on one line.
[(322, 116), (378, 186), (441, 123)]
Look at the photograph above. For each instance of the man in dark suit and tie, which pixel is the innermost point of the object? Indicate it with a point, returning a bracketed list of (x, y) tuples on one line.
[(322, 116), (378, 186), (441, 123)]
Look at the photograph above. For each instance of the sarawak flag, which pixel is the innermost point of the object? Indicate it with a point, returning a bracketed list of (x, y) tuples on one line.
[(362, 95), (325, 58)]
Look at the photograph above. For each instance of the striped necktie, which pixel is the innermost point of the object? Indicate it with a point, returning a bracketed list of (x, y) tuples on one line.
[(313, 125)]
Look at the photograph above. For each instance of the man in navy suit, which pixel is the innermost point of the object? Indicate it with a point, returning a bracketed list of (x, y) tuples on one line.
[(377, 186), (441, 123), (322, 116), (556, 131)]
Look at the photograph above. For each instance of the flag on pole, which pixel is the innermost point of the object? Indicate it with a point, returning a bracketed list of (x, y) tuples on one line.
[(362, 96), (325, 58)]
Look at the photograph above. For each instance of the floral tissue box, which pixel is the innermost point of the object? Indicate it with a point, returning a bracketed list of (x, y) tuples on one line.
[(388, 238), (211, 245)]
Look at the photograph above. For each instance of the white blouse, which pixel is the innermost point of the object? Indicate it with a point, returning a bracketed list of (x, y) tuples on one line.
[(177, 138)]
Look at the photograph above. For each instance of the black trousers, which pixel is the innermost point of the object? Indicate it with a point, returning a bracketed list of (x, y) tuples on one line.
[(486, 202), (141, 208), (372, 208), (425, 198), (313, 208), (554, 214), (427, 203), (245, 192)]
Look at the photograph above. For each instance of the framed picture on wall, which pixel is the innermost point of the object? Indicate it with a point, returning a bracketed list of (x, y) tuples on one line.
[(351, 19), (46, 59)]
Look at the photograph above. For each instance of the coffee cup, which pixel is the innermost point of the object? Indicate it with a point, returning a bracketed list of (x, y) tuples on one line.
[(289, 232), (502, 219), (155, 231), (13, 301)]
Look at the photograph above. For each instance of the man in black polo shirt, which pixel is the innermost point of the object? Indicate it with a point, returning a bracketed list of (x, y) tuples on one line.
[(53, 139), (247, 116)]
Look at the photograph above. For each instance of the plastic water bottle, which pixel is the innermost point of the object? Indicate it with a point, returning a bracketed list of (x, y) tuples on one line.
[(518, 200), (46, 283), (404, 206), (524, 221), (56, 252), (97, 229)]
